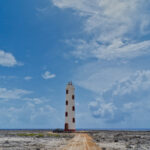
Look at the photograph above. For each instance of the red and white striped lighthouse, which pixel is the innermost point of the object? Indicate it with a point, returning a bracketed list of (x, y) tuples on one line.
[(70, 108)]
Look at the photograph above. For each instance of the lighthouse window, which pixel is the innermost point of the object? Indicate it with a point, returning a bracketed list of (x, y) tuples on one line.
[(73, 108), (72, 96), (66, 102), (66, 114), (67, 91), (73, 120)]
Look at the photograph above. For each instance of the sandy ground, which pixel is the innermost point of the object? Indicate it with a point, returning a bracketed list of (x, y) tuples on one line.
[(81, 142)]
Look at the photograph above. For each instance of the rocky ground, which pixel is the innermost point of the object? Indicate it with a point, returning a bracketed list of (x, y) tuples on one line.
[(122, 140), (32, 140), (46, 140)]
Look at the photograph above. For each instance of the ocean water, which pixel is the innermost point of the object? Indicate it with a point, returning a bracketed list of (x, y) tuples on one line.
[(91, 129), (117, 129)]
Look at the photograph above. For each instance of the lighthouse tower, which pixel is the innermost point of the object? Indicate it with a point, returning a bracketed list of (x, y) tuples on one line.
[(70, 108)]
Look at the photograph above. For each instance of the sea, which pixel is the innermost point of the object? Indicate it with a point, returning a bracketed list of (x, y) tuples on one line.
[(91, 129)]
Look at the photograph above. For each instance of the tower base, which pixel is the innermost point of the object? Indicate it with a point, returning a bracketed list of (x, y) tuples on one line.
[(69, 130)]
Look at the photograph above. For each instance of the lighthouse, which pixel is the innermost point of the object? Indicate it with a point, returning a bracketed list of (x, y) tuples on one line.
[(70, 108)]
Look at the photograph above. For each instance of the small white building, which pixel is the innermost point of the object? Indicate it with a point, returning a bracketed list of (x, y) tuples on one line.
[(70, 108)]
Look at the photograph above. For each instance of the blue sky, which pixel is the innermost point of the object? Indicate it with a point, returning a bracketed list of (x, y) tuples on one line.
[(102, 46)]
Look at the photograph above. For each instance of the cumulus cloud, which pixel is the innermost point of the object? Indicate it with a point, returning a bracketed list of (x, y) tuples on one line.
[(48, 75), (140, 80), (125, 99), (26, 111), (7, 59), (27, 115), (101, 109), (114, 28), (13, 93)]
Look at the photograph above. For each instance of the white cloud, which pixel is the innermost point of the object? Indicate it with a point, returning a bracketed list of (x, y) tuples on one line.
[(98, 77), (13, 94), (7, 77), (101, 109), (48, 75), (113, 27), (34, 100), (27, 78), (117, 49), (28, 115), (37, 100), (124, 99), (7, 59), (131, 84), (113, 30)]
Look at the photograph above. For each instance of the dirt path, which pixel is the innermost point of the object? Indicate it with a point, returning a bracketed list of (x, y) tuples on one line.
[(81, 142)]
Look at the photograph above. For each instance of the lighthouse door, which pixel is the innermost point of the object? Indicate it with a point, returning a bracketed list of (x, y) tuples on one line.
[(66, 126)]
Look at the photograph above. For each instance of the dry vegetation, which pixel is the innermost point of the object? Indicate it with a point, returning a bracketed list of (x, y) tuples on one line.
[(32, 140)]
